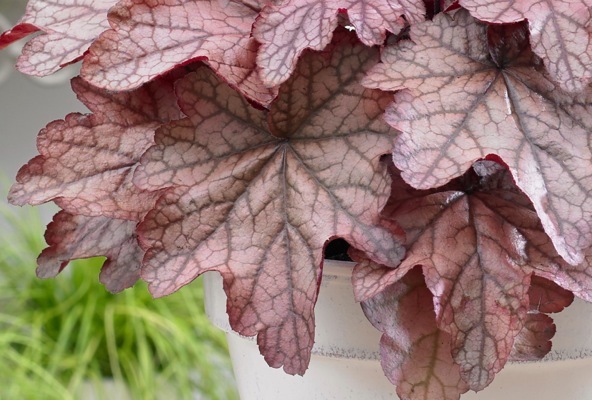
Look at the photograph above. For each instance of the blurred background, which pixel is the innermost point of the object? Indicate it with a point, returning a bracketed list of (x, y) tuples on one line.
[(68, 338)]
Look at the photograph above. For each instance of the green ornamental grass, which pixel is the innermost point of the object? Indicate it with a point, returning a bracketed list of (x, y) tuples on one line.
[(68, 338)]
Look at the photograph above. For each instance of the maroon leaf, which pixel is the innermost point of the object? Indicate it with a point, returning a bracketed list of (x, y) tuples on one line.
[(534, 340), (548, 297), (415, 354), (559, 32), (74, 236), (449, 5), (70, 26), (476, 91), (257, 194), (151, 37), (87, 161), (480, 290), (288, 27)]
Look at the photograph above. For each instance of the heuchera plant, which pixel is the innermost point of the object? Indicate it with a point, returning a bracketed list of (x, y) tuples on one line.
[(449, 143)]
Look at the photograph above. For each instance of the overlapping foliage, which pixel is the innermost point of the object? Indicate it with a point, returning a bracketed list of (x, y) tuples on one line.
[(243, 136)]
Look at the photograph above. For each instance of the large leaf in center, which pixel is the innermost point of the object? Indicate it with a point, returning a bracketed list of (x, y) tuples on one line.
[(476, 90), (258, 194)]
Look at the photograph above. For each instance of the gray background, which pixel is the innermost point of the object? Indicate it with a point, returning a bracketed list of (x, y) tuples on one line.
[(27, 104)]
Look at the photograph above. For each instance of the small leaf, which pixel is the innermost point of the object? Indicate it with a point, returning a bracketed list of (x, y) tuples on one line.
[(256, 195), (151, 37), (74, 236), (288, 27), (472, 95), (87, 161), (448, 5), (415, 354), (69, 27), (559, 32), (534, 340), (548, 297)]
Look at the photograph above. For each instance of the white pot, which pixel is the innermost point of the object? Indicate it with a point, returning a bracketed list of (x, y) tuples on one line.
[(345, 364)]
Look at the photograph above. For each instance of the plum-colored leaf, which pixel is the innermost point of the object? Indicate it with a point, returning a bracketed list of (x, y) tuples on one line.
[(257, 194), (75, 236), (370, 278), (18, 32), (151, 37), (534, 340), (548, 297), (481, 289), (87, 161), (449, 5), (69, 27), (286, 28), (476, 90), (559, 32), (415, 354)]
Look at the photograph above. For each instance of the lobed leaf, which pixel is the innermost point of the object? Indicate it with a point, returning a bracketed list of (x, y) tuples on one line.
[(151, 37), (482, 290), (257, 194), (75, 236), (69, 27), (415, 354), (534, 340), (87, 161), (548, 297), (286, 28), (559, 32), (475, 91)]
